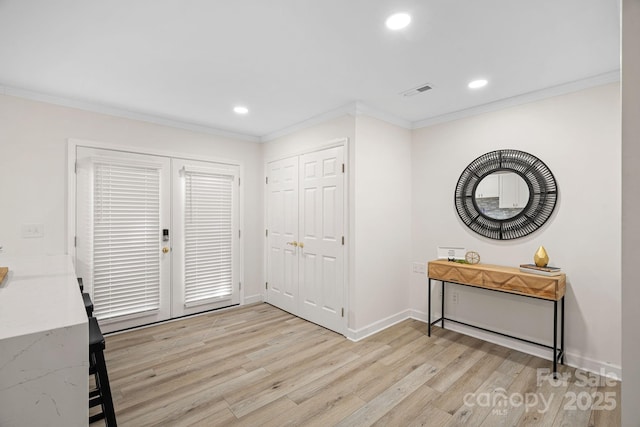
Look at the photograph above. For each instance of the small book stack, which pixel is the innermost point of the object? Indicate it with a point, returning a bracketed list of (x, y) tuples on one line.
[(544, 271)]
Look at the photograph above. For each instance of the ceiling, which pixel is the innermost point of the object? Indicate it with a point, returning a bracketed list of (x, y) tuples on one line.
[(288, 61)]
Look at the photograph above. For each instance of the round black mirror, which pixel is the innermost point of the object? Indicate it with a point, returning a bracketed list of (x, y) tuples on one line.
[(505, 194)]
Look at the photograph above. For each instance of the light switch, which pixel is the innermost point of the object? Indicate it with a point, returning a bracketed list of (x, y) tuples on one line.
[(30, 231)]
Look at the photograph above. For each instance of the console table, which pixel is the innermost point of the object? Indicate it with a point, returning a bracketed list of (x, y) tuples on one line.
[(508, 280)]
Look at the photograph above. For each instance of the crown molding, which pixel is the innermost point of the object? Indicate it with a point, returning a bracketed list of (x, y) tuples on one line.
[(353, 109), (367, 110), (563, 89), (123, 113), (348, 109)]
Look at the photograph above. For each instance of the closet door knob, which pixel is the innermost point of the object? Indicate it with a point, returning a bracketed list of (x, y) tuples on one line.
[(294, 243)]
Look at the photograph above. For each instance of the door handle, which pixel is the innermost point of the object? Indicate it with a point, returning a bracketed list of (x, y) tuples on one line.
[(294, 243), (165, 250)]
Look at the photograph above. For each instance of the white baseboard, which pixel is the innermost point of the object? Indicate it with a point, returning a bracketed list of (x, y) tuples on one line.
[(571, 359), (250, 299), (357, 335)]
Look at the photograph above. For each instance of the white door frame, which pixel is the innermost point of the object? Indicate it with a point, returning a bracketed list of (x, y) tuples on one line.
[(339, 142)]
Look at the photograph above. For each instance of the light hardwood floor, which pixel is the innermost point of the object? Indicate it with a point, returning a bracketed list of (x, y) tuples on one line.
[(259, 366)]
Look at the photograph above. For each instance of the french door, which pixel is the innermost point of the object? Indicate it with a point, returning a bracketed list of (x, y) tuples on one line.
[(305, 241), (156, 237), (205, 219)]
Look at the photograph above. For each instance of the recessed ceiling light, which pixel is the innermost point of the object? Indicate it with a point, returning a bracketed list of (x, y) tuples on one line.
[(240, 109), (477, 84), (398, 21)]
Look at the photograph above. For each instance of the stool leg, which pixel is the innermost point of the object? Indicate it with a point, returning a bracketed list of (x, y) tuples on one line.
[(105, 389)]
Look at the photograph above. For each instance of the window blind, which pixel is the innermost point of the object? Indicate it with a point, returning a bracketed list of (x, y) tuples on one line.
[(208, 237), (126, 239)]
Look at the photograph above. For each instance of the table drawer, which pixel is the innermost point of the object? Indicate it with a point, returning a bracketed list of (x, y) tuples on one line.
[(452, 273), (539, 286)]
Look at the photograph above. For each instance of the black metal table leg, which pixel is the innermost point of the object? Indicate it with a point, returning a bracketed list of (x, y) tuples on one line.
[(562, 330), (555, 338), (442, 309), (429, 310)]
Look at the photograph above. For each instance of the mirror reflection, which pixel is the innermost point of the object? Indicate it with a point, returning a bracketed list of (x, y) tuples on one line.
[(501, 195)]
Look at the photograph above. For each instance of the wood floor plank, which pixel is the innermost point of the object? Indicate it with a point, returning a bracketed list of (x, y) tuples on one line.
[(409, 409), (257, 365), (571, 414), (385, 401), (283, 382), (473, 410), (263, 416), (606, 410), (431, 417), (510, 409), (458, 367), (452, 399), (347, 374)]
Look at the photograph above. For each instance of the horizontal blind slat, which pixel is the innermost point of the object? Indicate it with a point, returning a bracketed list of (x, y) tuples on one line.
[(126, 256), (208, 236)]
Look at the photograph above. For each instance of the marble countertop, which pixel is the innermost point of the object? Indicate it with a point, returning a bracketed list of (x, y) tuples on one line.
[(40, 293)]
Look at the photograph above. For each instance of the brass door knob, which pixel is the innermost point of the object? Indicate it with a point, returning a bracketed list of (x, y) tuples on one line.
[(294, 243), (301, 245), (165, 250)]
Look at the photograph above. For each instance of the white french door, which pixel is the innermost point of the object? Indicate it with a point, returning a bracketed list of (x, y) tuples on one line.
[(205, 273), (122, 206), (305, 218), (156, 237)]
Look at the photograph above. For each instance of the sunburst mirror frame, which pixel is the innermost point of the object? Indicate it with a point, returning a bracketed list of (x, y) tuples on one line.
[(543, 194)]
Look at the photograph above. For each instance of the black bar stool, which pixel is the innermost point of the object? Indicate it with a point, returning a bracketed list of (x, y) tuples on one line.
[(88, 304), (101, 395)]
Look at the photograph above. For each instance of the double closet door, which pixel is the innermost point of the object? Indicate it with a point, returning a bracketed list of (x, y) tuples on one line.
[(305, 237), (156, 237)]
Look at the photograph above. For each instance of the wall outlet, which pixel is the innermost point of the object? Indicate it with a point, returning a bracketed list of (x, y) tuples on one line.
[(419, 268), (30, 231), (454, 297)]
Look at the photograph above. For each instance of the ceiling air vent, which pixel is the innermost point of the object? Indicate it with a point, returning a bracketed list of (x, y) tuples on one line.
[(416, 90)]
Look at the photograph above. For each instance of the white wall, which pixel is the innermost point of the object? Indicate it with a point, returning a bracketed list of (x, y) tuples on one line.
[(382, 225), (578, 137), (33, 171), (630, 212)]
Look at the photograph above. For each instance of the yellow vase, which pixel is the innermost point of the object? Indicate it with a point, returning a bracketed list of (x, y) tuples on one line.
[(541, 258)]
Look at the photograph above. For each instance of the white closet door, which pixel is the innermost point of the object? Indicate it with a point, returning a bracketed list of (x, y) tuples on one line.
[(321, 246), (122, 207), (206, 236), (305, 224), (282, 225)]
